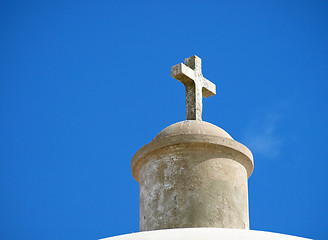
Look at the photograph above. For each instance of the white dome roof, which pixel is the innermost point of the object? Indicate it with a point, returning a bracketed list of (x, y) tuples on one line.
[(205, 233)]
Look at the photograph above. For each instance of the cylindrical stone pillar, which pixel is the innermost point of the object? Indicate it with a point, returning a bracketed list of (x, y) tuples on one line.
[(193, 174)]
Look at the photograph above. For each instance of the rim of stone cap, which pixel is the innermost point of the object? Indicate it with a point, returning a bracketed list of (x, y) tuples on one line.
[(192, 127)]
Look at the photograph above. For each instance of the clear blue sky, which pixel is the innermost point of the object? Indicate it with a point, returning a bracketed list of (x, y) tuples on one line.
[(85, 84)]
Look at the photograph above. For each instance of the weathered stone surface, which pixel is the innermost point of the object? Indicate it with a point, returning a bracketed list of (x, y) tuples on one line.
[(205, 233), (190, 74), (193, 174)]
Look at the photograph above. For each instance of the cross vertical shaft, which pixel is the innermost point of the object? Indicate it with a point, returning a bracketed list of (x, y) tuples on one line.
[(193, 102), (190, 74)]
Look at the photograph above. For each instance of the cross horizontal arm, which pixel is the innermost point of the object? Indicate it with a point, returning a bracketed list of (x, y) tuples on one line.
[(183, 73), (209, 88)]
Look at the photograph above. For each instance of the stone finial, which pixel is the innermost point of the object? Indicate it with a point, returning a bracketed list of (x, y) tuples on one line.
[(197, 87), (193, 174)]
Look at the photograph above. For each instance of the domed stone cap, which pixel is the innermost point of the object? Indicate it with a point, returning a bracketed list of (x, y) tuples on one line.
[(193, 127), (193, 132)]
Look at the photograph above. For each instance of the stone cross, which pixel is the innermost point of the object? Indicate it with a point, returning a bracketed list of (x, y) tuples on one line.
[(197, 87)]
